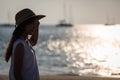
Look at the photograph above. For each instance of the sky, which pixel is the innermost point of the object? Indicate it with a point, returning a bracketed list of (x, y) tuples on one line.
[(74, 11)]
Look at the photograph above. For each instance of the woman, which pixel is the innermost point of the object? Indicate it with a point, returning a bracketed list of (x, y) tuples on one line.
[(23, 59)]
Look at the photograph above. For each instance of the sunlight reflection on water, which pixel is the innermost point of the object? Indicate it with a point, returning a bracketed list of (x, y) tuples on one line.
[(98, 51)]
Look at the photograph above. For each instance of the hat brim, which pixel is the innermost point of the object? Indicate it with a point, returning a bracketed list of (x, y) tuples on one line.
[(38, 17)]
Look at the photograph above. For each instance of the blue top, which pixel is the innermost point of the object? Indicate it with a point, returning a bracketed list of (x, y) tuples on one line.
[(29, 68)]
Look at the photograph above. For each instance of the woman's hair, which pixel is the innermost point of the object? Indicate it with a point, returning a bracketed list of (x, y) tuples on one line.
[(16, 34)]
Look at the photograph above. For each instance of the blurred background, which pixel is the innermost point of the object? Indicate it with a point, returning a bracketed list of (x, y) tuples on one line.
[(77, 37), (76, 11)]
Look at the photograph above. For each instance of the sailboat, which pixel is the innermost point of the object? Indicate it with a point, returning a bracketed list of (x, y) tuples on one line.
[(8, 22), (64, 22), (109, 21)]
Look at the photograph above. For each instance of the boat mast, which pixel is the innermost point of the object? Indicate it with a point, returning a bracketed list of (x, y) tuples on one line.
[(8, 17), (70, 16), (64, 11)]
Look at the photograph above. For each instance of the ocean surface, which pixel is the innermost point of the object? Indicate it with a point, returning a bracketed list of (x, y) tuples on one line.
[(88, 50)]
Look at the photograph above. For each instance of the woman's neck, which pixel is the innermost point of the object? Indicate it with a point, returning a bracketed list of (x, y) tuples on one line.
[(25, 37)]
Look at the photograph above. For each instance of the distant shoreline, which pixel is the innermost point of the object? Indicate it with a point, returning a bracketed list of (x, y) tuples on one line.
[(6, 25), (12, 25)]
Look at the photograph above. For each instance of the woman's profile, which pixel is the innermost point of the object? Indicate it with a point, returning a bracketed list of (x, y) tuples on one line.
[(23, 59)]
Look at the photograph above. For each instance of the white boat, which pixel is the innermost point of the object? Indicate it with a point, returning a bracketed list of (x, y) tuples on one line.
[(110, 21), (65, 22)]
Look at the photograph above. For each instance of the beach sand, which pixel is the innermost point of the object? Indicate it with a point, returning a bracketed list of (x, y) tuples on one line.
[(59, 77)]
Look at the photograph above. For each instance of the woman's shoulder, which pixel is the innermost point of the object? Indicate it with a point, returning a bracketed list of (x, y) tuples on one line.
[(19, 41)]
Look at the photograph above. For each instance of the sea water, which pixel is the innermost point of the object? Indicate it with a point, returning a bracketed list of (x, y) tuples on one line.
[(89, 50)]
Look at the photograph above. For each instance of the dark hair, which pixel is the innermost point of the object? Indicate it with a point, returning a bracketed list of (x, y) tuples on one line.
[(16, 34)]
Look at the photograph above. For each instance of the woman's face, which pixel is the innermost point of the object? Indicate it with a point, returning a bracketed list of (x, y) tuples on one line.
[(29, 29)]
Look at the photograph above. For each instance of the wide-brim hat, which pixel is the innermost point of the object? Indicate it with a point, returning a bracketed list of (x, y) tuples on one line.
[(25, 15)]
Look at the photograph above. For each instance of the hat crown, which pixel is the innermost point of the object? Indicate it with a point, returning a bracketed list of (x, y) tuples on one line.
[(22, 15)]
